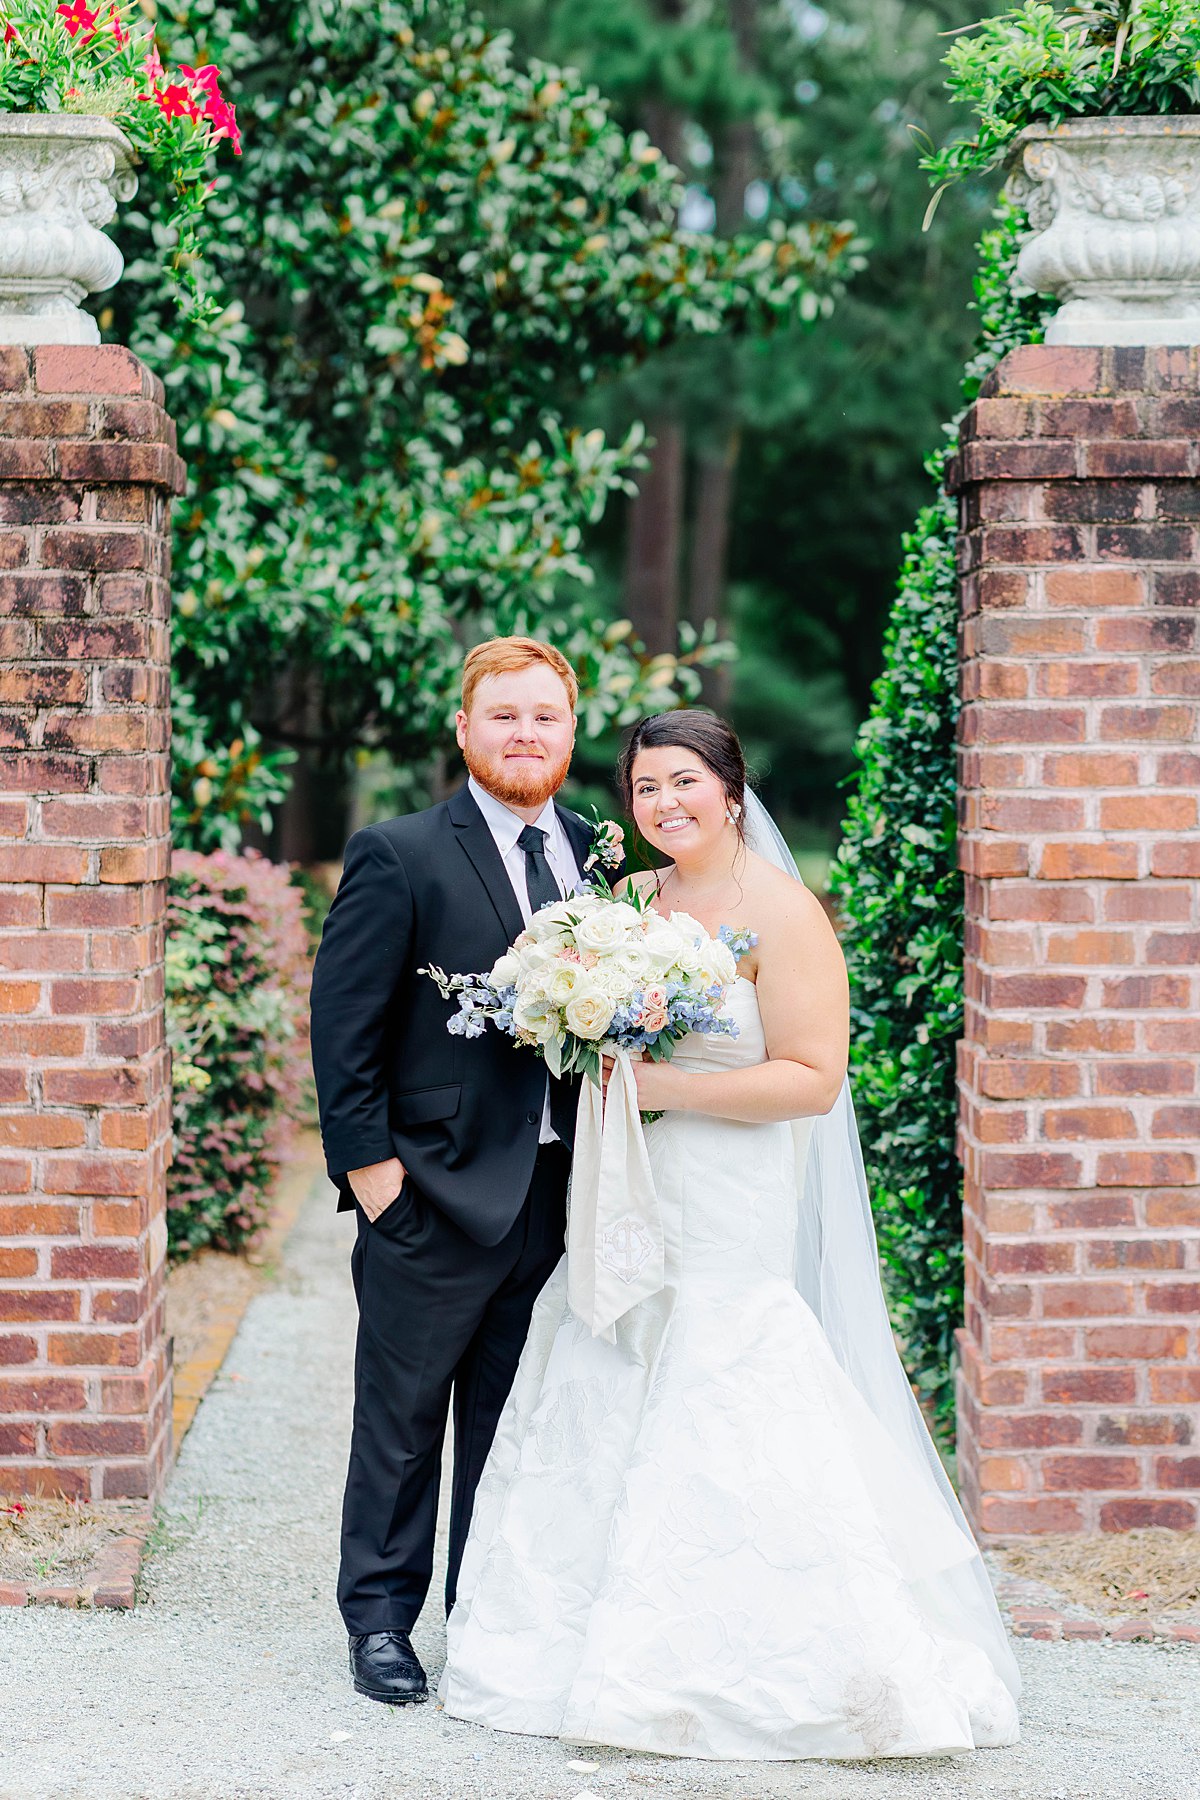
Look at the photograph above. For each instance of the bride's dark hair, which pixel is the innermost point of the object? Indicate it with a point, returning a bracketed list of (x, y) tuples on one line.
[(706, 736)]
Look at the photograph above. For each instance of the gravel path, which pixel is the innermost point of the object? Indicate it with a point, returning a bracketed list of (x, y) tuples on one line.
[(230, 1684)]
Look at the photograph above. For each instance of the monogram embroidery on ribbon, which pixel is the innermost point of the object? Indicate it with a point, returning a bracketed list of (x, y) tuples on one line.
[(625, 1248)]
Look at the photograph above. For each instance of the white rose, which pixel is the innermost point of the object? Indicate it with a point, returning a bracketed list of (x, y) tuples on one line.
[(606, 929), (632, 960), (613, 980), (565, 978), (661, 942), (718, 963), (551, 921), (506, 970), (687, 958), (530, 1015), (589, 1013)]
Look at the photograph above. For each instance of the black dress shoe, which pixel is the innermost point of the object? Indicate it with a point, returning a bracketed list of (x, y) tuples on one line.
[(385, 1667)]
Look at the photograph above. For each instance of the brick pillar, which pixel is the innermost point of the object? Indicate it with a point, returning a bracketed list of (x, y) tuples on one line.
[(1079, 1119), (87, 464)]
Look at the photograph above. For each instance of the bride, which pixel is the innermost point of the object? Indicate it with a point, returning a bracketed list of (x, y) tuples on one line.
[(720, 1529)]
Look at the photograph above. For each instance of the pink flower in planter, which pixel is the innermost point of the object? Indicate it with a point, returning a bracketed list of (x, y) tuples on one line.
[(118, 30), (78, 17), (10, 32), (175, 102)]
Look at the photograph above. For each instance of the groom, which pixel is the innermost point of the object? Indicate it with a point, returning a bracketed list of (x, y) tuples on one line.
[(452, 1151)]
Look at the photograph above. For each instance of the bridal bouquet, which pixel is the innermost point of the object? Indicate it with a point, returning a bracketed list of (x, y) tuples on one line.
[(593, 973)]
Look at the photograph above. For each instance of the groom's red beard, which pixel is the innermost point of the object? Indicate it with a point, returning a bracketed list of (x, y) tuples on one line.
[(526, 786)]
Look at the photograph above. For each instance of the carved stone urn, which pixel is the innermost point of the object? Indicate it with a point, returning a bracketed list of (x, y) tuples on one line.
[(1114, 204), (61, 176)]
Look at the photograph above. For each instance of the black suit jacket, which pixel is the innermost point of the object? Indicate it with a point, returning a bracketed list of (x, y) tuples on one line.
[(462, 1114)]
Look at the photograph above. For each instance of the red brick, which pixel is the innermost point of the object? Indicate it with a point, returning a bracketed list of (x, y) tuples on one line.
[(19, 1305), (1146, 992), (1148, 812), (1036, 992), (95, 996), (1174, 1297), (1086, 1124), (102, 1437), (19, 996), (1177, 1471), (1134, 723), (1090, 947), (1132, 1168), (1169, 1210), (43, 685), (1036, 724), (1135, 1253), (1092, 768), (94, 1349), (1086, 1299), (1087, 680), (1176, 1122), (1028, 1517), (17, 1265), (42, 863), (41, 1394), (87, 369), (1082, 861), (1016, 1078), (1090, 589), (16, 1348), (95, 1175), (1180, 947), (1028, 1431), (1030, 1169), (1112, 1036), (45, 1481), (1172, 1387), (1130, 1343), (1032, 1343), (1082, 1473), (41, 1131), (1089, 1386), (1145, 1078), (1138, 1515), (1175, 859), (1157, 903), (38, 1218)]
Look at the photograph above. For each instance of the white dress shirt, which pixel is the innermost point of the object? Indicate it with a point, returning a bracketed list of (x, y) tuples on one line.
[(506, 827)]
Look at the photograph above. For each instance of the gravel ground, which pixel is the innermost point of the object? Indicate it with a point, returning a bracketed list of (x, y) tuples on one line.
[(229, 1682)]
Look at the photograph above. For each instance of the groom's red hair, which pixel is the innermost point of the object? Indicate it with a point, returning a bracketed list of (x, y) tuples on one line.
[(501, 655)]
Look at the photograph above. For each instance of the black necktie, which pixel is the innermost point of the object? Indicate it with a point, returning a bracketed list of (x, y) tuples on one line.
[(539, 882)]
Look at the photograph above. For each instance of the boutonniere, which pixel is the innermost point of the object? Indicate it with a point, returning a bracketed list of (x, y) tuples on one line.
[(608, 844)]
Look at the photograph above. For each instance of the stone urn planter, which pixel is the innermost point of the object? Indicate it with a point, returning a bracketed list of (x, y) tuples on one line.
[(1115, 208), (61, 176)]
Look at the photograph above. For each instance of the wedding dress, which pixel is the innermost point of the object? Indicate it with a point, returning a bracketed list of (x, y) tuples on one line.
[(714, 1530)]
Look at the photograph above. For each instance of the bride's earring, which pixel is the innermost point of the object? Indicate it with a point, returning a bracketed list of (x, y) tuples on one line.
[(733, 814)]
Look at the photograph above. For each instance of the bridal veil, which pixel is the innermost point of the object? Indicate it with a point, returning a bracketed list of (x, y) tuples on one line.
[(837, 1274)]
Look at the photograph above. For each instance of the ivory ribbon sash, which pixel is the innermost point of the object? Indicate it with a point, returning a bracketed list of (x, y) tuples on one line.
[(615, 1246)]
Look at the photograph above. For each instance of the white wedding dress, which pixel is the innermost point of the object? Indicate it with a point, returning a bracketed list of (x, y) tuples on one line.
[(700, 1539)]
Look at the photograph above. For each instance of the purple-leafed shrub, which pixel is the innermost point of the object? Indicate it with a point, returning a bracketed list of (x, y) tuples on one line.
[(238, 968)]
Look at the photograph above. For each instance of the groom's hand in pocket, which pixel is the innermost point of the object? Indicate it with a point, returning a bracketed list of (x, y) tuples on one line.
[(376, 1186)]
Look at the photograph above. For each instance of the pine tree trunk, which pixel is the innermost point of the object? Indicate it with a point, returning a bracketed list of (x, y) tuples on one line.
[(654, 541), (716, 458)]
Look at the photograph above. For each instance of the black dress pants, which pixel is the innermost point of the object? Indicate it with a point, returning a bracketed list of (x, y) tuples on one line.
[(438, 1315)]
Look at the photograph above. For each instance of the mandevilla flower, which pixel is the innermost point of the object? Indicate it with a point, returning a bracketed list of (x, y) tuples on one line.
[(78, 17)]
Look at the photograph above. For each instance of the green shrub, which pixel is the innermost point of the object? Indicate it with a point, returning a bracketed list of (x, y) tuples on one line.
[(237, 981), (1041, 64), (900, 894)]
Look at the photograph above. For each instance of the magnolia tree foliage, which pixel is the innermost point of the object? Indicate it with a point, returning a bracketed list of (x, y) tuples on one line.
[(426, 255)]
